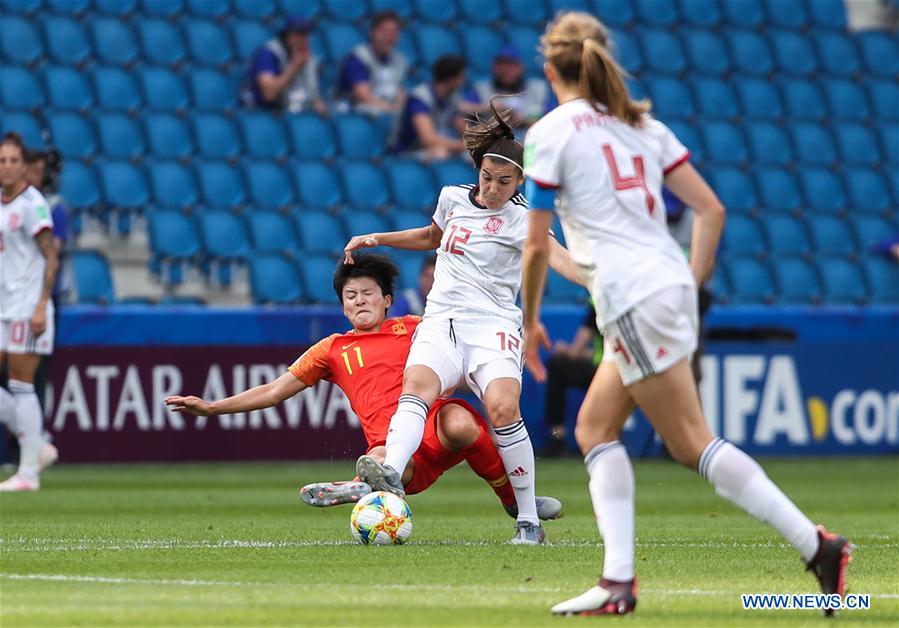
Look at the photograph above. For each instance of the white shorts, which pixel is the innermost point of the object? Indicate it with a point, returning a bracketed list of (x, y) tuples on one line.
[(15, 336), (655, 334), (480, 350)]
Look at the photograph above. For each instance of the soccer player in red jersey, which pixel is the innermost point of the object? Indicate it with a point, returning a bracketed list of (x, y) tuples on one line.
[(367, 363)]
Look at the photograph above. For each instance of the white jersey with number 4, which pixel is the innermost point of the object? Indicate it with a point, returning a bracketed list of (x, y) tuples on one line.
[(608, 176), (478, 271), (21, 261)]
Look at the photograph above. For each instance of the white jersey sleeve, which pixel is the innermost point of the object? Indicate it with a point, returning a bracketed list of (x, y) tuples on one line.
[(36, 216), (672, 153), (543, 157), (441, 210)]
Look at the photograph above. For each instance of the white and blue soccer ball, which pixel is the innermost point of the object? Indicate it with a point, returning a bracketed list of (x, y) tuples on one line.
[(381, 518)]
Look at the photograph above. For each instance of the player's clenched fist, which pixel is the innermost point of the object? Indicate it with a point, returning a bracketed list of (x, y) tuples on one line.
[(358, 242), (194, 405)]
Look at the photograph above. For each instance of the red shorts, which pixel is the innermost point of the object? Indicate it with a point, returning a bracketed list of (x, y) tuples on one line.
[(432, 458)]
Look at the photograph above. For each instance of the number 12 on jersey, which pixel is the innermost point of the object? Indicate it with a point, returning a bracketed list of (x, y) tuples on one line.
[(457, 236), (638, 180), (346, 359)]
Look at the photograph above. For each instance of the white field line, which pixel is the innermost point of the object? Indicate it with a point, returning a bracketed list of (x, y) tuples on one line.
[(367, 587)]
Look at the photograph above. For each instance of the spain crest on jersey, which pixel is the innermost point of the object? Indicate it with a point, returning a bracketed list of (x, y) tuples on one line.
[(493, 225)]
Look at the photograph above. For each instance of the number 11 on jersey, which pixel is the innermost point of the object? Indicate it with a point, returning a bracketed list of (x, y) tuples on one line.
[(346, 359)]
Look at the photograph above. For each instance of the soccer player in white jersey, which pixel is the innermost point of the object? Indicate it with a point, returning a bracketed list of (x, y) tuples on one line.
[(472, 326), (600, 160), (28, 264)]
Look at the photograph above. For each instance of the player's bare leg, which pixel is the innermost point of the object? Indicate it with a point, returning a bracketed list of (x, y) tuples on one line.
[(23, 404)]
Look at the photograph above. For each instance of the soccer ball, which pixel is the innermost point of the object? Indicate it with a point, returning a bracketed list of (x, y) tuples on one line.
[(381, 518)]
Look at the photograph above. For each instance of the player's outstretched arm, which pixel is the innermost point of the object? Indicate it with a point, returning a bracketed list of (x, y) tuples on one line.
[(420, 239), (561, 262), (264, 396)]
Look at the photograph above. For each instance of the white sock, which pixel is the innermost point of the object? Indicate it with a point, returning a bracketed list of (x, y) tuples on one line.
[(612, 491), (407, 428), (740, 479), (30, 426), (8, 410), (515, 448)]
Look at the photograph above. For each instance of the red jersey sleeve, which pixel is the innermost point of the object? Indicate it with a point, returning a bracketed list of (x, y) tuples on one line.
[(312, 366)]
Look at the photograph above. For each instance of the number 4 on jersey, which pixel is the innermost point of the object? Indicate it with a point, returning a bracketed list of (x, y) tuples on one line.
[(638, 180)]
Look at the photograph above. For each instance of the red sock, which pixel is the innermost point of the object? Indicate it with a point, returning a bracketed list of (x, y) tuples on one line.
[(484, 460)]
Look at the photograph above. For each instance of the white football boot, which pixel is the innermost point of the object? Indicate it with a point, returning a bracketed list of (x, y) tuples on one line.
[(19, 483)]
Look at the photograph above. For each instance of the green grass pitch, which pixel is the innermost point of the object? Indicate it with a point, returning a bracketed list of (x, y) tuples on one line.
[(231, 544)]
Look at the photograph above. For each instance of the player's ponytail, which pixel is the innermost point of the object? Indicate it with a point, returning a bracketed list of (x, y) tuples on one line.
[(493, 137), (576, 45)]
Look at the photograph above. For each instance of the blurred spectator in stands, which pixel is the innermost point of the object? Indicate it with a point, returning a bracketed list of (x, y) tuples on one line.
[(282, 74), (888, 248), (526, 97), (412, 300), (431, 123), (371, 76)]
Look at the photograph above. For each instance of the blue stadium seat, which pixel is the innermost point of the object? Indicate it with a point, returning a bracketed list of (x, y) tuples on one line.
[(114, 42), (743, 13), (117, 8), (481, 45), (837, 53), (248, 36), (269, 185), (19, 41), (78, 186), (72, 135), (123, 185), (735, 189), (409, 263), (161, 42), (312, 269), (364, 184), (272, 232), (813, 144), (345, 10), (20, 89), (880, 53), (883, 279), (786, 235), (120, 136), (93, 278), (706, 51), (769, 144), (255, 9), (724, 143), (690, 138), (857, 145), (453, 172), (305, 8), (525, 40), (787, 13), (759, 99), (846, 100), (657, 13), (216, 136), (778, 189), (311, 136), (670, 97), (435, 41), (793, 53), (411, 184), (473, 11), (320, 232), (870, 229), (435, 11), (750, 52), (69, 7), (359, 221), (172, 184), (719, 285), (274, 279), (263, 135), (222, 185), (67, 42), (797, 281), (888, 144), (317, 184), (832, 236), (662, 52), (556, 6), (163, 90), (751, 281), (843, 281), (403, 220), (208, 43), (173, 240), (613, 13), (715, 98), (803, 99), (162, 8), (828, 13), (23, 7), (743, 236), (67, 88), (116, 89), (823, 190), (209, 8), (358, 136), (25, 125), (884, 96), (211, 91), (340, 38), (223, 235), (703, 13), (560, 290), (867, 190)]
